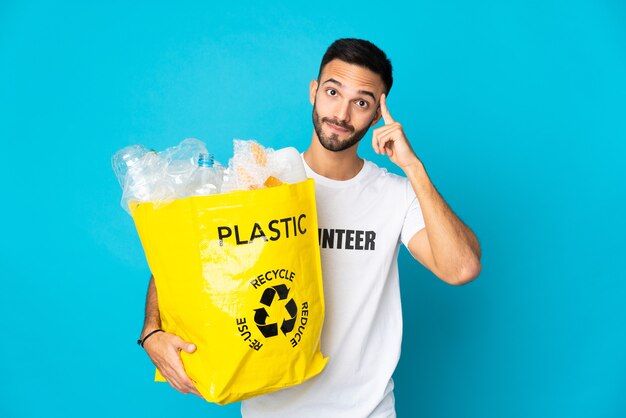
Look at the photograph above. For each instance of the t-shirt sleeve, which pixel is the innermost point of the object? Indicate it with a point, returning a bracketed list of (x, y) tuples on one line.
[(413, 219)]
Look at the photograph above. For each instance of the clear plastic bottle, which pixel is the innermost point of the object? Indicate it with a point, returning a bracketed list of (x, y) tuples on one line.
[(126, 158), (143, 179), (180, 164), (137, 170), (207, 179)]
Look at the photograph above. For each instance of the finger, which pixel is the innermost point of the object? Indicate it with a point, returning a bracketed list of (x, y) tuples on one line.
[(378, 133), (387, 130), (384, 140), (195, 392), (177, 385), (188, 386), (191, 388), (378, 143), (181, 383), (180, 375), (389, 148), (189, 348), (171, 367), (384, 111), (174, 385), (184, 345), (186, 389), (375, 143)]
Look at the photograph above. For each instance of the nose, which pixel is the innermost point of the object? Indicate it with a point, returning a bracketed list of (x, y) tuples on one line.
[(342, 111)]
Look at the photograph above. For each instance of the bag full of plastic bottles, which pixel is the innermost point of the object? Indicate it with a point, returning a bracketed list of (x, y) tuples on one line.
[(236, 262)]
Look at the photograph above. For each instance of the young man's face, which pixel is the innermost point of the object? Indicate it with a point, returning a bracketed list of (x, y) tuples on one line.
[(345, 103)]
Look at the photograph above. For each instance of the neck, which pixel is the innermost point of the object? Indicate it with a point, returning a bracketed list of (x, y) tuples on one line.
[(342, 165)]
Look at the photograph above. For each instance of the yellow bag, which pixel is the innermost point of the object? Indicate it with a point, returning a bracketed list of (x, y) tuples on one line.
[(239, 275)]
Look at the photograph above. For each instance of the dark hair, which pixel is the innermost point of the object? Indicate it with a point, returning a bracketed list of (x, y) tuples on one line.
[(362, 53)]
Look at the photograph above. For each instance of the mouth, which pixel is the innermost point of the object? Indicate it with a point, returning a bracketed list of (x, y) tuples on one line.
[(337, 128)]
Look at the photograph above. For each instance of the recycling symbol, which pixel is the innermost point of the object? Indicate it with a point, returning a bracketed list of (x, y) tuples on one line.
[(261, 315)]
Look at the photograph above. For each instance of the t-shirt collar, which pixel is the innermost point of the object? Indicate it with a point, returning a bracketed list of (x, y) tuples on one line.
[(325, 181)]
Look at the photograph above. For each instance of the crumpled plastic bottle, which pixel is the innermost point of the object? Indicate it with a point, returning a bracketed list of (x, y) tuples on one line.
[(188, 169), (126, 158), (208, 177), (148, 176)]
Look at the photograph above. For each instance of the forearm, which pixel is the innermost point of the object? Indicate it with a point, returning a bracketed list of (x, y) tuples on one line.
[(164, 348), (455, 248), (152, 319)]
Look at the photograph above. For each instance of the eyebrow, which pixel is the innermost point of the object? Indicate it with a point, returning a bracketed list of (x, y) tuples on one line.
[(365, 92)]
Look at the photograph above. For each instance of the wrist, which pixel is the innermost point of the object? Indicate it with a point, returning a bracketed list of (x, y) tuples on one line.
[(149, 326), (144, 337), (414, 167)]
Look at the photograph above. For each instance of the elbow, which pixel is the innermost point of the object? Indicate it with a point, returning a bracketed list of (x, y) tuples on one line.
[(468, 273)]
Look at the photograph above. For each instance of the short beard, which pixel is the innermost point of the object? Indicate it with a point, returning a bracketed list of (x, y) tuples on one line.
[(332, 143)]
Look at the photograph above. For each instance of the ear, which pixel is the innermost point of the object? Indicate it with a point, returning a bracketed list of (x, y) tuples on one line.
[(312, 91)]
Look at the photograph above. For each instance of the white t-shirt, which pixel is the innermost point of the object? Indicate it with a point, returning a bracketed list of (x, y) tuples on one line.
[(361, 224)]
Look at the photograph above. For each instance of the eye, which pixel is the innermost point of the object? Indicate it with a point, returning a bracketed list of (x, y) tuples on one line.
[(331, 92), (362, 103)]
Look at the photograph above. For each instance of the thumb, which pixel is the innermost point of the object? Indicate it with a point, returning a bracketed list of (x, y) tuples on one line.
[(185, 346), (189, 348)]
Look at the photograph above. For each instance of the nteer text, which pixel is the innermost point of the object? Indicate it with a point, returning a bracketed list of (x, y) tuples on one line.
[(347, 239)]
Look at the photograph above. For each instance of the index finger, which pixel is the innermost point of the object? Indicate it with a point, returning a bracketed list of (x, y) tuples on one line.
[(384, 111), (184, 380)]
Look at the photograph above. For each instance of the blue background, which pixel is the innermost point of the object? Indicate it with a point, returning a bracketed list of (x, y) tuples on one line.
[(518, 110)]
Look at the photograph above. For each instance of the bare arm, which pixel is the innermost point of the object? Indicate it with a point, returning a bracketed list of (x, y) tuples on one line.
[(446, 246), (152, 319), (164, 348)]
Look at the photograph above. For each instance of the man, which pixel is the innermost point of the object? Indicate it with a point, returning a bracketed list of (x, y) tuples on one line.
[(363, 326)]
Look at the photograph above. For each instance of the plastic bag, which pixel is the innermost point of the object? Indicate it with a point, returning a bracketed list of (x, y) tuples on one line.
[(239, 275)]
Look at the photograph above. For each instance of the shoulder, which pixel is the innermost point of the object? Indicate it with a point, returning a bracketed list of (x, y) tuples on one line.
[(382, 174), (393, 186)]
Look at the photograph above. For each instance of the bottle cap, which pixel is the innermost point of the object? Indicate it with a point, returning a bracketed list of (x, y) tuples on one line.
[(205, 160)]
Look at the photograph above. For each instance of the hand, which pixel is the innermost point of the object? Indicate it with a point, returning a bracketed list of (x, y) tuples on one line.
[(164, 351), (390, 139)]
